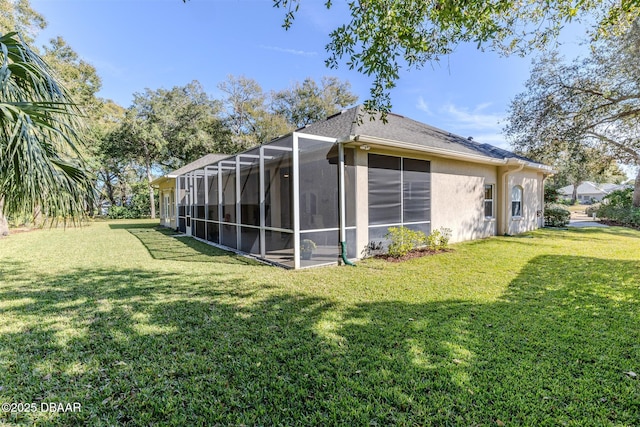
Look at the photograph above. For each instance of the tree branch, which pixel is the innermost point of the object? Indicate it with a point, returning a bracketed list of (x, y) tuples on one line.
[(633, 153)]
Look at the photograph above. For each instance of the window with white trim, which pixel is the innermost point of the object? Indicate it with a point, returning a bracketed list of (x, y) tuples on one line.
[(488, 201), (516, 202)]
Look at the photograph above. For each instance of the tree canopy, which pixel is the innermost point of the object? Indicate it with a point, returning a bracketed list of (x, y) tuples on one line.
[(588, 104), (19, 16), (381, 37), (307, 102)]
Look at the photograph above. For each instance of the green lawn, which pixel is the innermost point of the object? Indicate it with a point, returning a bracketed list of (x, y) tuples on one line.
[(142, 328)]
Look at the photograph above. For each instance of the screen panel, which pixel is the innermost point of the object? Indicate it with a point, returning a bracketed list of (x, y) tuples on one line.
[(385, 195)]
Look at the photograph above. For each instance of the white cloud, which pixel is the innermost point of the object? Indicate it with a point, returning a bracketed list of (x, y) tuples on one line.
[(107, 67), (479, 122), (475, 119), (289, 51), (423, 106), (496, 139)]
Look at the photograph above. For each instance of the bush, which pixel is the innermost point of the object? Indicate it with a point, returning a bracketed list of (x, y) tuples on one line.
[(123, 212), (551, 195), (618, 207), (404, 240), (556, 216), (439, 239), (593, 209)]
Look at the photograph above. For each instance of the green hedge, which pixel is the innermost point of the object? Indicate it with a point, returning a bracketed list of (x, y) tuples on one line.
[(618, 207), (556, 216)]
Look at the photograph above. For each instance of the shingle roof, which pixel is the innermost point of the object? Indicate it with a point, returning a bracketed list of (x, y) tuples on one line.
[(198, 164), (356, 122), (589, 187)]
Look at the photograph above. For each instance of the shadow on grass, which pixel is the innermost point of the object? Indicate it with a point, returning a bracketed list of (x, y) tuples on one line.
[(127, 225), (162, 244), (141, 348), (591, 233)]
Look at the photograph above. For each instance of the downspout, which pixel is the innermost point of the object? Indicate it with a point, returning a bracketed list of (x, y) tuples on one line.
[(343, 210), (505, 205)]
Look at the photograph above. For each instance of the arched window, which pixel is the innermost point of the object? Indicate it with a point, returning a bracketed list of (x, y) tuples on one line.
[(516, 202)]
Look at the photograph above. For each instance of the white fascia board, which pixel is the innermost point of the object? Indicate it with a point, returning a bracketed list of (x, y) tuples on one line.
[(315, 137)]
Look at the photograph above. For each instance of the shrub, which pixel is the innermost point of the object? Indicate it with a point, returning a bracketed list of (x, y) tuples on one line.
[(618, 207), (551, 195), (308, 245), (556, 216), (123, 212), (439, 239), (593, 209), (403, 240)]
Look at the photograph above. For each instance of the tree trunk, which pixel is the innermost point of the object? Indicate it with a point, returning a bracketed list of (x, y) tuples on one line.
[(152, 197), (574, 195), (636, 190), (4, 224)]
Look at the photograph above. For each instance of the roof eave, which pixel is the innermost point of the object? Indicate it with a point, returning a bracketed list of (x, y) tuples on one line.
[(444, 153), (441, 152)]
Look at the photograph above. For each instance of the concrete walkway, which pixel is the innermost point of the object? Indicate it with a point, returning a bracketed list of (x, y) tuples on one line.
[(580, 219)]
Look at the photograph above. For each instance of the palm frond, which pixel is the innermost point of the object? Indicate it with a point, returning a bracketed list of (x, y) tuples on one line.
[(40, 163)]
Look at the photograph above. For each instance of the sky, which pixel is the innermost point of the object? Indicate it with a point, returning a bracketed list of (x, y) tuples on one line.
[(138, 44)]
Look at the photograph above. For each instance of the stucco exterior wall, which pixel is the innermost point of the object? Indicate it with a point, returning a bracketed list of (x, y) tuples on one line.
[(457, 198), (532, 201), (167, 214)]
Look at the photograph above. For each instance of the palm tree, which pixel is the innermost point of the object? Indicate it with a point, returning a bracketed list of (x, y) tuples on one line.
[(40, 165)]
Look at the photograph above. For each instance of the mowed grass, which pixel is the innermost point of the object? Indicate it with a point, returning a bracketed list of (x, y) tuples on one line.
[(142, 328)]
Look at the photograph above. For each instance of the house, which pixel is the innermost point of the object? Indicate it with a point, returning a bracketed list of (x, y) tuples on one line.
[(336, 186), (166, 186), (589, 191)]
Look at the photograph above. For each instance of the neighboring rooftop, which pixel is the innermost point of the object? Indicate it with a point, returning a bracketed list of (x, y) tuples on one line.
[(592, 188)]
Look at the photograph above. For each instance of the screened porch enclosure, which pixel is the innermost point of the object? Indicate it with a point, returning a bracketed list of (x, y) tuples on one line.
[(279, 202)]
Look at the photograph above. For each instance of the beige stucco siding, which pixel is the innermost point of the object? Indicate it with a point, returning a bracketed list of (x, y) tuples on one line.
[(457, 198), (532, 201), (166, 190)]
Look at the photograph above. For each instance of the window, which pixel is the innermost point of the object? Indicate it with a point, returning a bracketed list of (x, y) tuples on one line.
[(385, 190), (488, 201), (516, 201), (416, 190)]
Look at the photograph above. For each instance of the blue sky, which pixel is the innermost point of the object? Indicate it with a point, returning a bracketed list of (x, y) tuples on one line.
[(138, 44)]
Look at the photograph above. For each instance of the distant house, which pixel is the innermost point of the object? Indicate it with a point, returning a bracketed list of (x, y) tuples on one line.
[(590, 191), (342, 182)]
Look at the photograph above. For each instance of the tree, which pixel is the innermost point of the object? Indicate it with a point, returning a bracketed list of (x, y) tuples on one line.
[(18, 16), (190, 124), (79, 77), (383, 36), (40, 162), (113, 172), (307, 102), (245, 111), (139, 139), (167, 128), (255, 117), (587, 104), (576, 164)]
